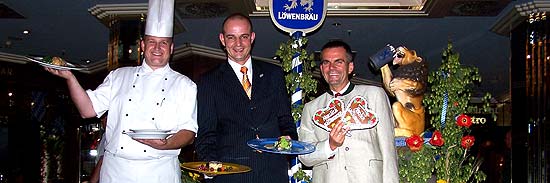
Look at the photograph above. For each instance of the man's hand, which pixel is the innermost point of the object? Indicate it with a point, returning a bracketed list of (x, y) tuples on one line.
[(176, 141), (61, 73), (337, 135), (154, 143)]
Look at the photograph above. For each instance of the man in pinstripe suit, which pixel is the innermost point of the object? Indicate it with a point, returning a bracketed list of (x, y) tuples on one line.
[(236, 105)]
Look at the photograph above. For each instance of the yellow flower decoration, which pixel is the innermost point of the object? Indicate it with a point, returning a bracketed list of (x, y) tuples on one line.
[(441, 181), (195, 176)]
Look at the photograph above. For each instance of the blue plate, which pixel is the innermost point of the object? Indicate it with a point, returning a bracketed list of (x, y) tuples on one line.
[(267, 145)]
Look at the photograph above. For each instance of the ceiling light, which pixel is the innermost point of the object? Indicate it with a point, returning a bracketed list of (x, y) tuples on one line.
[(26, 31)]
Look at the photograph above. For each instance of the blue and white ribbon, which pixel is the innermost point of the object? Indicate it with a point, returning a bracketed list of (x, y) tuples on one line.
[(296, 97), (445, 104), (444, 109)]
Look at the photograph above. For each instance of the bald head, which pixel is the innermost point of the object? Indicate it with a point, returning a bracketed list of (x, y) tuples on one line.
[(236, 16)]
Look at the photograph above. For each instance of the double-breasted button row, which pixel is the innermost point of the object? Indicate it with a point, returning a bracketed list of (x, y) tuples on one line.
[(165, 79), (122, 147)]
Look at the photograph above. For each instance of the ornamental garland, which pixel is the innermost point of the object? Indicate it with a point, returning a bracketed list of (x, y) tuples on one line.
[(446, 154), (294, 80)]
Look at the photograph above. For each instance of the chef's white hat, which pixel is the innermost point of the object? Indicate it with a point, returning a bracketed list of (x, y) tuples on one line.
[(160, 18)]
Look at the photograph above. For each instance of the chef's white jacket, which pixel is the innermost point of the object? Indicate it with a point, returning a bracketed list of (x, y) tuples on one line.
[(140, 98)]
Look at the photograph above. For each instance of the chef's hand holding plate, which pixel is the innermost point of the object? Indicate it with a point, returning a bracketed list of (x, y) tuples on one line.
[(67, 74), (154, 143), (337, 135)]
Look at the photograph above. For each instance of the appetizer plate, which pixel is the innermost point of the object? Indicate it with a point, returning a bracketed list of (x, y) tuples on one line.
[(229, 168), (268, 145), (149, 135), (40, 61), (149, 131)]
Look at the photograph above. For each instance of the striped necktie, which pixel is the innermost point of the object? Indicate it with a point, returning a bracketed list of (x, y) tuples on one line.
[(246, 83)]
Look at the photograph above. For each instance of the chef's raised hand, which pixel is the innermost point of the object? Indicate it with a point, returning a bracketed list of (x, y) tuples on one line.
[(67, 74), (337, 135)]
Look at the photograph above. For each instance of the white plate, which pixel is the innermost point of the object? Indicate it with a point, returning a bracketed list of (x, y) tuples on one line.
[(149, 130), (68, 67), (149, 135)]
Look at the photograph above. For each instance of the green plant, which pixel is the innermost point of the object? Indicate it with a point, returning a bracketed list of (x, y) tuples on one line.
[(304, 80), (302, 177), (446, 156)]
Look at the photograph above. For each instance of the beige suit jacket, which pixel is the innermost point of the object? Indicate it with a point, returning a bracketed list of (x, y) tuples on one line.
[(368, 156)]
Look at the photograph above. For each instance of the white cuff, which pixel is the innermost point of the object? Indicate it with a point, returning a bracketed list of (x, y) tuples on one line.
[(329, 152), (207, 177)]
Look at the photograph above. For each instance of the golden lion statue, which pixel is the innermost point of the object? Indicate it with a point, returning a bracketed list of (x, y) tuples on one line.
[(408, 84)]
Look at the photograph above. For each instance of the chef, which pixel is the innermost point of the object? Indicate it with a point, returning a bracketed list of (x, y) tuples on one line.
[(149, 96)]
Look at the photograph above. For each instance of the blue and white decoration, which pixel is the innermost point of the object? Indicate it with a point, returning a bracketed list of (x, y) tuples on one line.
[(297, 17)]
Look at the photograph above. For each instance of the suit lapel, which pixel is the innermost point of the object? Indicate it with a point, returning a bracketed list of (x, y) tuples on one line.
[(231, 82), (258, 81)]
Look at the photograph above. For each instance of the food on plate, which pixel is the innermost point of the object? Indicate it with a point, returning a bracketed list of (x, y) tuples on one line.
[(55, 61), (58, 61), (283, 144), (214, 166)]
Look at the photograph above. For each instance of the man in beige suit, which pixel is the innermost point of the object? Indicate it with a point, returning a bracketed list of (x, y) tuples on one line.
[(345, 153)]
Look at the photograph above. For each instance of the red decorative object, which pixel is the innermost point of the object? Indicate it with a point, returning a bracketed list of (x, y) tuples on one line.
[(467, 141), (464, 120), (436, 139), (455, 104), (415, 143)]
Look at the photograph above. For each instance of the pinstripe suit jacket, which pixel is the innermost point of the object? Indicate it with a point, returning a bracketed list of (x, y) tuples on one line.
[(228, 119)]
